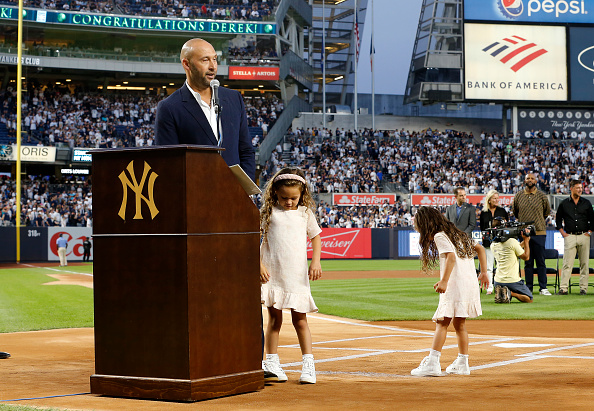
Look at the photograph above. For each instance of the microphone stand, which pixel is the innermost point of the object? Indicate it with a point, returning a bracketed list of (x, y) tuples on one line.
[(218, 110)]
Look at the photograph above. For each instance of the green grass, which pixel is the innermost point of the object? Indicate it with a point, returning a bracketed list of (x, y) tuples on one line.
[(8, 407), (379, 265), (26, 304), (382, 299)]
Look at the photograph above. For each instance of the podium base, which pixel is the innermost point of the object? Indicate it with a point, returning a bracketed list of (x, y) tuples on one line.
[(177, 389)]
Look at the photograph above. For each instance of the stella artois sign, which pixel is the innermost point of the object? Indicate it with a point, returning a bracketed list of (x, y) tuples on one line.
[(253, 73)]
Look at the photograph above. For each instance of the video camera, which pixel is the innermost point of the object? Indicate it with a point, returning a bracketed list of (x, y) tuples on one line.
[(508, 229)]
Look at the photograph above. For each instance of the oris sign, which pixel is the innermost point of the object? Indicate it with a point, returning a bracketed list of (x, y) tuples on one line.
[(533, 11)]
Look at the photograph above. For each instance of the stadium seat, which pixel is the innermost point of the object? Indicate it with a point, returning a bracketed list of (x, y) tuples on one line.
[(552, 254), (576, 270)]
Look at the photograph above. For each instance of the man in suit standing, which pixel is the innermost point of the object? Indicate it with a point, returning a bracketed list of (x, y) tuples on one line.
[(462, 214), (189, 116)]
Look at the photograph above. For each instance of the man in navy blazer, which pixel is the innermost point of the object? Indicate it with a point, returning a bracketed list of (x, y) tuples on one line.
[(462, 214), (188, 116)]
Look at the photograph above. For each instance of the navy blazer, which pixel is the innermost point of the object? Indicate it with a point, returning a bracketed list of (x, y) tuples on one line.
[(180, 120)]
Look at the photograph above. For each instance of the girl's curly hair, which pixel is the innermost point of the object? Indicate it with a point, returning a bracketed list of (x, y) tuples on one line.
[(428, 222), (270, 199)]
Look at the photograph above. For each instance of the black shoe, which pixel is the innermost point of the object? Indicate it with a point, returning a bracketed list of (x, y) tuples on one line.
[(562, 292), (270, 376), (583, 292), (4, 355)]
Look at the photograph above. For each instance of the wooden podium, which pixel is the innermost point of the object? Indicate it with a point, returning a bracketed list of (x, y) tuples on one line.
[(176, 276)]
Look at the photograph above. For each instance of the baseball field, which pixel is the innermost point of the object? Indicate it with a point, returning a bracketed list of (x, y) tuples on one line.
[(372, 329)]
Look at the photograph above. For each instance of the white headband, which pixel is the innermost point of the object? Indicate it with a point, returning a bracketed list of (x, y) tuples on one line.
[(289, 177)]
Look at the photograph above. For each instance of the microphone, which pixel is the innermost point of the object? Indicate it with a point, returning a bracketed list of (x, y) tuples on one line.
[(214, 84)]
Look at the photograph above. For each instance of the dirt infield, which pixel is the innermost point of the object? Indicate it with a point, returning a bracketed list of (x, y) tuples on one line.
[(360, 365)]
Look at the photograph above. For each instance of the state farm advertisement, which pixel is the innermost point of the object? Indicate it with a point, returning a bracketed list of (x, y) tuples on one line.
[(344, 243), (253, 73), (449, 199), (75, 237), (362, 199)]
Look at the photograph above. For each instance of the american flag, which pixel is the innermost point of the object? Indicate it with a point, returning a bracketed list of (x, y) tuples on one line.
[(358, 43), (371, 52)]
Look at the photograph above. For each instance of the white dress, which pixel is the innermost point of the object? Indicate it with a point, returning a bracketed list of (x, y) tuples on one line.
[(462, 296), (284, 254)]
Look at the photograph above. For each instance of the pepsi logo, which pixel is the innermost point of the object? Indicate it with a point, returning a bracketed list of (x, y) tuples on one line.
[(586, 58), (511, 9)]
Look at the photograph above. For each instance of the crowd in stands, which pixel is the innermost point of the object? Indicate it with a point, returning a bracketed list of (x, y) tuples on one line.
[(53, 116), (46, 202), (334, 161), (200, 9), (252, 56), (425, 162), (193, 9)]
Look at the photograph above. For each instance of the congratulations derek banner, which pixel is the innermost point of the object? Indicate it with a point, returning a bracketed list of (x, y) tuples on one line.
[(138, 22), (514, 62), (532, 11)]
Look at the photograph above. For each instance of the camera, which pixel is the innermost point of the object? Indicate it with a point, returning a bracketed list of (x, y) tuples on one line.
[(508, 229)]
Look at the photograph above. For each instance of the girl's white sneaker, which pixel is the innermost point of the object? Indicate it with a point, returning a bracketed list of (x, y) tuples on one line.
[(429, 367), (459, 366), (308, 372)]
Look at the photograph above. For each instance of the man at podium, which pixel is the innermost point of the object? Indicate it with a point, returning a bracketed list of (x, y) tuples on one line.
[(194, 114)]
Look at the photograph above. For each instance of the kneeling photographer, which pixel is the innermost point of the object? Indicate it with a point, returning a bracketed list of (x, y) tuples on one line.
[(506, 250)]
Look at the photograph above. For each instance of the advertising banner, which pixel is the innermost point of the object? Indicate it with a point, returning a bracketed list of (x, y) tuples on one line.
[(513, 62), (363, 199), (344, 243), (253, 73), (75, 237), (138, 22), (530, 11), (28, 153), (581, 63), (558, 123), (449, 199)]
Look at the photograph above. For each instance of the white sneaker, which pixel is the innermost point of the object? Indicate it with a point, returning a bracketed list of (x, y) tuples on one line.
[(308, 372), (459, 366), (275, 368), (429, 368), (544, 291), (490, 289)]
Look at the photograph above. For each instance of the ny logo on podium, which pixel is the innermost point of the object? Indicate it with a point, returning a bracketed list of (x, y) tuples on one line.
[(137, 188)]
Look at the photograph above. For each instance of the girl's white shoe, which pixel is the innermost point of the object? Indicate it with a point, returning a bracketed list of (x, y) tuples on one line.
[(459, 366), (429, 367), (308, 372)]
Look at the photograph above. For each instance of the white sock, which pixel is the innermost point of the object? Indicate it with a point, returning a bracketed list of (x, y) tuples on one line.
[(307, 356), (273, 358), (463, 357), (434, 354)]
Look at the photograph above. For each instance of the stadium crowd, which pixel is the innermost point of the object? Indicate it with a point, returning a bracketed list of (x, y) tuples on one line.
[(54, 115), (46, 202), (335, 161)]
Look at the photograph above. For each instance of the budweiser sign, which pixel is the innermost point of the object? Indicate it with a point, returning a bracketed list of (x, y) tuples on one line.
[(344, 243), (363, 199), (449, 199), (253, 73)]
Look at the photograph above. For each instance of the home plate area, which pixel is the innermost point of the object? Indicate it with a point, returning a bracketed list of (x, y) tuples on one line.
[(551, 369), (392, 351)]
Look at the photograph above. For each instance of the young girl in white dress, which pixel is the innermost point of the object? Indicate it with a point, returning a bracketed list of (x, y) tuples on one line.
[(458, 288), (286, 222)]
